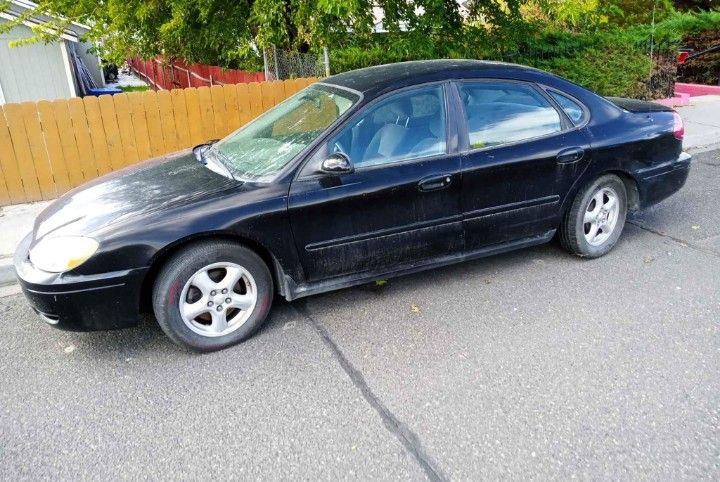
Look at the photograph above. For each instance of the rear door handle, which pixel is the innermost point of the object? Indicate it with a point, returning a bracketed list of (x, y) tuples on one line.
[(435, 183), (573, 154)]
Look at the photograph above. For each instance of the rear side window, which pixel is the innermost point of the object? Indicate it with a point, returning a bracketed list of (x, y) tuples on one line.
[(499, 112), (573, 110)]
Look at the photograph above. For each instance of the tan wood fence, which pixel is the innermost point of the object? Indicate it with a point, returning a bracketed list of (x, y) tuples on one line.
[(49, 147)]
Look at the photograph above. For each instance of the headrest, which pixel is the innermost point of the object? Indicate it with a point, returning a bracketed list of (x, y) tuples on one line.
[(399, 109)]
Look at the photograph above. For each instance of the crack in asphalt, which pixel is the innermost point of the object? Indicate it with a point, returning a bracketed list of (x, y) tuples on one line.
[(407, 438), (673, 238)]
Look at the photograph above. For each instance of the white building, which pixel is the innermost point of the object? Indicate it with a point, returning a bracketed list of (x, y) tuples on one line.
[(43, 71)]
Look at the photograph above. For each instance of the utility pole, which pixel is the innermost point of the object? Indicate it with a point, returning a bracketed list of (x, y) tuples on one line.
[(326, 58), (266, 67), (277, 70)]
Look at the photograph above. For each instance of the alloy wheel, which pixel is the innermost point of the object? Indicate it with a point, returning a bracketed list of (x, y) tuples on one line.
[(218, 299), (601, 216)]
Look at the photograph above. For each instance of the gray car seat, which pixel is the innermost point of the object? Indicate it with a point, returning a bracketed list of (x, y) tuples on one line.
[(389, 139)]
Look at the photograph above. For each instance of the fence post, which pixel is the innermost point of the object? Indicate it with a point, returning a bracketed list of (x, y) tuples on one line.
[(326, 58)]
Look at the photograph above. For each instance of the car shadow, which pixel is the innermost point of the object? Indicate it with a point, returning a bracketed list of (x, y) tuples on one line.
[(148, 337)]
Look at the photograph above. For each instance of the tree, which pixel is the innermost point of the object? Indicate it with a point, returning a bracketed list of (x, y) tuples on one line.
[(637, 12), (231, 33)]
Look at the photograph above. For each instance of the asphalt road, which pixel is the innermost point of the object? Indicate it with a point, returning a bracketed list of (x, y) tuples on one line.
[(532, 364)]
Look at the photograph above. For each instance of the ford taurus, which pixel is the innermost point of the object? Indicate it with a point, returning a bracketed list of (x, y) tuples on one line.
[(367, 174)]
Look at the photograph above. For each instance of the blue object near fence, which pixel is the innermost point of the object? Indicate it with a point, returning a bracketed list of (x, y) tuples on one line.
[(104, 91)]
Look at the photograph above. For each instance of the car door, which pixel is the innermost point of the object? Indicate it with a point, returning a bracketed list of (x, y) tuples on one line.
[(400, 206), (523, 153)]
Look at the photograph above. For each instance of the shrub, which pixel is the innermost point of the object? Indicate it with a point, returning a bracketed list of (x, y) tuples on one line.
[(608, 70), (610, 61)]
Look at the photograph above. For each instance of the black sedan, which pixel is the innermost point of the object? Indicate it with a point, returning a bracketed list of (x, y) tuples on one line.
[(368, 174)]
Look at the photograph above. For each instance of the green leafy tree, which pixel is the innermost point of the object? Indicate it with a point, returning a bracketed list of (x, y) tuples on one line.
[(637, 12), (232, 32)]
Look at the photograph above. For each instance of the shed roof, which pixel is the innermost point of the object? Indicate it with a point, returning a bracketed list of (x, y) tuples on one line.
[(17, 8)]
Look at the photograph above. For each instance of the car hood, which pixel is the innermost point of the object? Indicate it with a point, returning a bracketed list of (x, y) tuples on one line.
[(139, 189)]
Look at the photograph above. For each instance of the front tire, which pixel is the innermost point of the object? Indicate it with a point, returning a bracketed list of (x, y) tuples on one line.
[(212, 295), (595, 220)]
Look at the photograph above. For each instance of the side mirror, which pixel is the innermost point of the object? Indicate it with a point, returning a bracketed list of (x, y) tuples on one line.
[(337, 163)]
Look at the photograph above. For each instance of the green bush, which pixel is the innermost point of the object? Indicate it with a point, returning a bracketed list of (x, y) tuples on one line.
[(606, 63), (608, 70), (610, 61)]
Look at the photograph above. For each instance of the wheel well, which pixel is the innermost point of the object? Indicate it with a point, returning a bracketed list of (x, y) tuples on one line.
[(161, 257), (631, 187)]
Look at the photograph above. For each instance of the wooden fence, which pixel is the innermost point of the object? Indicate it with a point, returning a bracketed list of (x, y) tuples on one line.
[(176, 74), (49, 147)]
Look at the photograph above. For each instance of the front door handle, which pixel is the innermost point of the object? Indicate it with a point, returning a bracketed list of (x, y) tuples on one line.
[(435, 183), (568, 156)]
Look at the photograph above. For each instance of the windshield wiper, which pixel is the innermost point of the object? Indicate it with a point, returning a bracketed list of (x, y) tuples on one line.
[(221, 160), (200, 149), (214, 162)]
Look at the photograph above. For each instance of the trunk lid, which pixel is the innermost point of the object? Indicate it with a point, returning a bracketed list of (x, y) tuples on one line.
[(638, 106)]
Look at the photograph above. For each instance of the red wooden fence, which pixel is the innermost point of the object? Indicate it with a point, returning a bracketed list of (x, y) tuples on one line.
[(179, 75)]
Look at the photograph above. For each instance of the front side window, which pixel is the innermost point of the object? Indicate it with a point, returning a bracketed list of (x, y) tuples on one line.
[(500, 112), (409, 125), (257, 151)]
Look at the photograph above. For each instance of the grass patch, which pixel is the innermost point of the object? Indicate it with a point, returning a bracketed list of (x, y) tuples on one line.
[(134, 88)]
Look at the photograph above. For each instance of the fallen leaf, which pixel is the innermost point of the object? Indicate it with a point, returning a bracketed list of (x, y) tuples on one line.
[(648, 259), (380, 282), (414, 308)]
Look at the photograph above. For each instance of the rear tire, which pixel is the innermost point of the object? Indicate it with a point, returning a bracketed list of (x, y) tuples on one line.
[(212, 295), (595, 220)]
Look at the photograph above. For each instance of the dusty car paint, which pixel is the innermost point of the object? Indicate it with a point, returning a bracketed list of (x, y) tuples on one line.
[(319, 232)]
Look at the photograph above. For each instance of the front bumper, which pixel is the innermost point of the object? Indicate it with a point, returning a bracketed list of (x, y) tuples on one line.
[(79, 302), (660, 182)]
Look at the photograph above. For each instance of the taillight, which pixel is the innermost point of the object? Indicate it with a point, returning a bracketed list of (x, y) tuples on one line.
[(678, 126)]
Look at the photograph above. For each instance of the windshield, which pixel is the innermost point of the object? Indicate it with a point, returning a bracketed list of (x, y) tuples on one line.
[(258, 150)]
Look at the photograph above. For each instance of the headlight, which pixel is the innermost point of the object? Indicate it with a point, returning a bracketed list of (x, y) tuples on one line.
[(63, 253)]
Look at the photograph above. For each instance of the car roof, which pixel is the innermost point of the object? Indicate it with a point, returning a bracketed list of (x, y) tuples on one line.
[(380, 78)]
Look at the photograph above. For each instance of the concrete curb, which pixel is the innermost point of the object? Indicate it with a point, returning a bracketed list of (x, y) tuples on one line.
[(703, 148), (7, 271), (678, 100)]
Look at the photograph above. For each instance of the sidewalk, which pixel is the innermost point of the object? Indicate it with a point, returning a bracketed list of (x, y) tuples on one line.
[(702, 132), (15, 222), (702, 123)]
